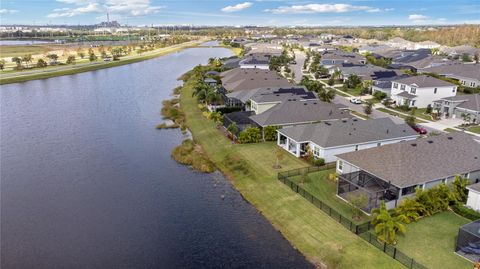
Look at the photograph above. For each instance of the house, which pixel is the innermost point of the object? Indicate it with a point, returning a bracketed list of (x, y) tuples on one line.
[(327, 139), (420, 91), (416, 59), (338, 57), (210, 81), (426, 45), (231, 62), (385, 84), (467, 74), (392, 172), (467, 104), (400, 43), (240, 118), (266, 96), (473, 200), (366, 72), (294, 111), (250, 78), (458, 51), (260, 61), (372, 48)]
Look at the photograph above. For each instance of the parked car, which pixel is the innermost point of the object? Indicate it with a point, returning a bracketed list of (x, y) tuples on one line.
[(355, 100), (419, 129)]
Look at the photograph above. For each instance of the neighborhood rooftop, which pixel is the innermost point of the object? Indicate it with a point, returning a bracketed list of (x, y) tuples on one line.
[(456, 69), (348, 132), (244, 79), (297, 112), (468, 101), (272, 93), (424, 81), (410, 163)]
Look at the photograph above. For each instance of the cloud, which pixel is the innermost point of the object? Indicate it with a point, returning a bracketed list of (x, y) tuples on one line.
[(8, 11), (417, 17), (320, 8), (71, 12), (237, 7), (130, 7)]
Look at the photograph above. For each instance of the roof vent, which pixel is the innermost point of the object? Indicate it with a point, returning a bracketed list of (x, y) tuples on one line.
[(349, 133), (305, 104), (388, 131), (414, 144), (278, 94), (354, 119), (294, 99), (344, 120), (430, 142), (314, 103), (449, 138), (328, 123)]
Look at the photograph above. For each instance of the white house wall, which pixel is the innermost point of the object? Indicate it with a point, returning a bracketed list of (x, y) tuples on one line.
[(424, 96), (473, 200)]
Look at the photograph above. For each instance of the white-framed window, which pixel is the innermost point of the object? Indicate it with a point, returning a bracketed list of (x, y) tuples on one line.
[(402, 87), (435, 90), (395, 85), (453, 90), (316, 151), (412, 103), (340, 165), (413, 90)]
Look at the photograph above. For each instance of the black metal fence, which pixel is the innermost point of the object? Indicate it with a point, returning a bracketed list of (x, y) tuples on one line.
[(363, 230)]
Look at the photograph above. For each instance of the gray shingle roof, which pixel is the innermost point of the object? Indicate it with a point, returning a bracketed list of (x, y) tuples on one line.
[(272, 94), (471, 71), (475, 187), (296, 112), (423, 81), (251, 78), (370, 72), (406, 95), (415, 162), (469, 101), (348, 132)]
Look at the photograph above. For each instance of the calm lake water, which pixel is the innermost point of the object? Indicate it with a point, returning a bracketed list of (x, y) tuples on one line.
[(88, 182)]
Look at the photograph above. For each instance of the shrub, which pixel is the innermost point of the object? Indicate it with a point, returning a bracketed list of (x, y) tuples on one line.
[(270, 133), (229, 109), (250, 135), (189, 153), (379, 95), (429, 109), (232, 128), (331, 81), (319, 162), (466, 212)]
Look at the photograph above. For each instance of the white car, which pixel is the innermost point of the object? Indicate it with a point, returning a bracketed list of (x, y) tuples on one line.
[(355, 101)]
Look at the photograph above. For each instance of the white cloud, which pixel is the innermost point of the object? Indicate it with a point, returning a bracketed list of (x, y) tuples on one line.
[(7, 11), (71, 12), (130, 7), (417, 17), (320, 8), (237, 7)]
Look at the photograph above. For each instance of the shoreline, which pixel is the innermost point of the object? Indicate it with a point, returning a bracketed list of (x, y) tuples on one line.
[(72, 69), (309, 230)]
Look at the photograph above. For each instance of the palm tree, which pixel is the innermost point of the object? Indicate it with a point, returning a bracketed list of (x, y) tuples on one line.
[(337, 74), (411, 209), (386, 225), (326, 95)]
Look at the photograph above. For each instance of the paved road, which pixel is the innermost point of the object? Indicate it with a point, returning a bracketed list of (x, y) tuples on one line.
[(297, 68)]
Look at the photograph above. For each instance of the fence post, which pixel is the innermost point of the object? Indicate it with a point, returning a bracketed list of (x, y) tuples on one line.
[(329, 211), (411, 263), (394, 253), (384, 247)]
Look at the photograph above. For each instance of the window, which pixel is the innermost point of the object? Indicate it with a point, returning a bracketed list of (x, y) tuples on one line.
[(316, 151), (409, 190), (412, 103), (472, 84), (435, 90), (414, 90), (402, 87), (340, 165), (395, 85), (453, 90)]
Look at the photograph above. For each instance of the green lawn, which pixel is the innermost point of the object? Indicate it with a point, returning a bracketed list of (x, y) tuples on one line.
[(398, 114), (339, 92), (21, 50), (250, 168), (360, 115), (320, 186), (474, 129), (431, 241), (355, 92), (449, 130), (419, 113)]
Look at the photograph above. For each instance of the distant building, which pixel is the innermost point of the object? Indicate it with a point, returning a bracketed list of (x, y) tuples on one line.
[(467, 74)]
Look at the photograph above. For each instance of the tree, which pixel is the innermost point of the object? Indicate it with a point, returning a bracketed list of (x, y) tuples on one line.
[(18, 61), (27, 59), (250, 135), (232, 128), (466, 117), (2, 64), (386, 225), (326, 95), (410, 119), (270, 133), (337, 74), (466, 57), (353, 82), (368, 108), (411, 209), (459, 189), (41, 63), (476, 58), (92, 57), (53, 57), (280, 155), (71, 59)]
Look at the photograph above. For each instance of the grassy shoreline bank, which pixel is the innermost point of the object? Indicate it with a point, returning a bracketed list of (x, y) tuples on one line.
[(72, 69), (250, 169)]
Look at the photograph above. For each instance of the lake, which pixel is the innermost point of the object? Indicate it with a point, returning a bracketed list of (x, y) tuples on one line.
[(88, 182)]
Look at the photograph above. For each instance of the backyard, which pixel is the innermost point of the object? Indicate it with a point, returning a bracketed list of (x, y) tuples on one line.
[(319, 185), (431, 241), (250, 168)]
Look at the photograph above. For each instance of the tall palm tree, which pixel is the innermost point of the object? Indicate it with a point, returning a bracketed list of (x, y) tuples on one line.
[(337, 74), (326, 95), (386, 225)]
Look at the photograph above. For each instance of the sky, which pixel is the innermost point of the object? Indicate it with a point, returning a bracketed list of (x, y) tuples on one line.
[(238, 13)]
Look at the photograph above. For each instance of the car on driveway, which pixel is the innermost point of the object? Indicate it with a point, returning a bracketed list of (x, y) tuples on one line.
[(355, 101), (419, 129)]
